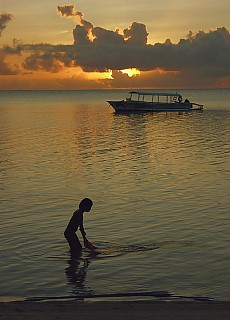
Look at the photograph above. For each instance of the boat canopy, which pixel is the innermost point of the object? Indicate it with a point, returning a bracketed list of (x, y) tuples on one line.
[(148, 93)]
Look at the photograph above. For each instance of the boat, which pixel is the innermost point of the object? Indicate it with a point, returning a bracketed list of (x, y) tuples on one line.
[(139, 101)]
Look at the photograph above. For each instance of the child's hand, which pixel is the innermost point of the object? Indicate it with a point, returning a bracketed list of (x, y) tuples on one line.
[(90, 245)]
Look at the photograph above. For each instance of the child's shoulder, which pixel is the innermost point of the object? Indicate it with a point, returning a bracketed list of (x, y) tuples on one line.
[(76, 212)]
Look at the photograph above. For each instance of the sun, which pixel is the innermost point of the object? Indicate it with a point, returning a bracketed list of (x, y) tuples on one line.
[(131, 72)]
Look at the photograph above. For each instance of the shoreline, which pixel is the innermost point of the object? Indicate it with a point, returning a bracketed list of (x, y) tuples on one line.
[(122, 310)]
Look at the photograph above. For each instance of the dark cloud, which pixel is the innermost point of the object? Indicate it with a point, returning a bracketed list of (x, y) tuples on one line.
[(46, 62), (136, 34), (70, 12), (99, 49), (109, 50), (6, 68), (199, 57), (42, 56), (159, 79), (48, 58), (15, 49), (202, 55), (4, 19)]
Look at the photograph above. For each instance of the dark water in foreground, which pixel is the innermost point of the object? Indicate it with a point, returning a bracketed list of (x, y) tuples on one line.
[(160, 185)]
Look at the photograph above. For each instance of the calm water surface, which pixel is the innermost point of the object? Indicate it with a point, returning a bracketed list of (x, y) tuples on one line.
[(160, 185)]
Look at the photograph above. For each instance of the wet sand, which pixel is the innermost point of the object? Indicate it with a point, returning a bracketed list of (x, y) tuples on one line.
[(122, 310)]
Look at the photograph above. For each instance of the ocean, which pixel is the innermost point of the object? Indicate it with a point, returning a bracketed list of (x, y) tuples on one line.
[(160, 183)]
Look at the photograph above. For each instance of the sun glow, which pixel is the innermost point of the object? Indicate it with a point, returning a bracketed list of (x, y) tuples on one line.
[(132, 72), (77, 72), (99, 75)]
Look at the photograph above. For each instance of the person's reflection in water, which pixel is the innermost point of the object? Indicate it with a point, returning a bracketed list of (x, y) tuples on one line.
[(76, 274)]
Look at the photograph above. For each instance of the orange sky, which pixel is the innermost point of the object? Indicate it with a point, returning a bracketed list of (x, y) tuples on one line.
[(131, 44)]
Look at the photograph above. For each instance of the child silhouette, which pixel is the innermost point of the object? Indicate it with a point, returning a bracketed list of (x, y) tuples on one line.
[(77, 222)]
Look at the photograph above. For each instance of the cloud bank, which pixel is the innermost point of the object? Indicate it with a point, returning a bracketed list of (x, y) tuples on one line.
[(5, 68), (4, 19), (199, 55), (200, 59)]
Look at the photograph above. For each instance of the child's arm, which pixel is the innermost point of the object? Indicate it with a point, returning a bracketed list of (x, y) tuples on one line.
[(87, 243), (83, 233)]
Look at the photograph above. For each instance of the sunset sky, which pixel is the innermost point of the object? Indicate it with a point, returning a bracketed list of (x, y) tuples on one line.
[(89, 44)]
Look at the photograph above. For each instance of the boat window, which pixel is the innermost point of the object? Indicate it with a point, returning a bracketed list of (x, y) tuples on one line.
[(154, 97), (148, 98)]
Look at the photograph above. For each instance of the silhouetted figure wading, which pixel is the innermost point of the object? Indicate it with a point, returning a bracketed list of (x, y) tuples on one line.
[(77, 222)]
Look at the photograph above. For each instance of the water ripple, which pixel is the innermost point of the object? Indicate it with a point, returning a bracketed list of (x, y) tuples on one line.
[(157, 180)]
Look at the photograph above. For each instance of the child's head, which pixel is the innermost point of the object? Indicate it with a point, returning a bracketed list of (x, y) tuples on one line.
[(86, 204)]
